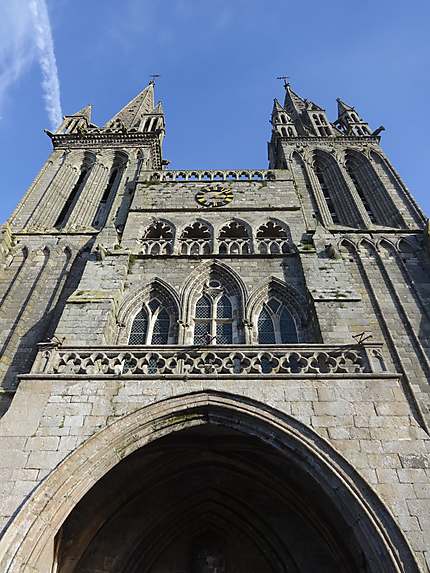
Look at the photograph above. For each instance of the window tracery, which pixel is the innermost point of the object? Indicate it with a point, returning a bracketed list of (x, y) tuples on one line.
[(276, 324), (158, 239), (151, 325), (235, 239), (272, 239), (196, 239), (215, 317)]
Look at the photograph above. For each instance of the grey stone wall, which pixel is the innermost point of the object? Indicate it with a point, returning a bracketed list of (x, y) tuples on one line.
[(81, 284)]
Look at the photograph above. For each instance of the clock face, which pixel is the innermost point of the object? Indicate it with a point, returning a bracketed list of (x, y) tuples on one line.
[(214, 196)]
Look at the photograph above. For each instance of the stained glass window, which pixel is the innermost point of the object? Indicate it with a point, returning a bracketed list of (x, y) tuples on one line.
[(287, 328), (224, 308), (266, 330), (276, 325), (224, 333), (139, 328), (160, 333), (203, 307), (213, 322), (202, 332)]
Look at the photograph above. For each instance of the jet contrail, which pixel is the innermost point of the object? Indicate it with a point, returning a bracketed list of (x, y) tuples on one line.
[(48, 64)]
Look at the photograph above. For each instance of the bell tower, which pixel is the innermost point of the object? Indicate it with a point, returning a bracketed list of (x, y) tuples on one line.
[(80, 185), (215, 370), (346, 179)]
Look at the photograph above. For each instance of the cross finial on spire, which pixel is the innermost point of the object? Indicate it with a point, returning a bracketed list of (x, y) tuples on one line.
[(153, 78), (286, 80)]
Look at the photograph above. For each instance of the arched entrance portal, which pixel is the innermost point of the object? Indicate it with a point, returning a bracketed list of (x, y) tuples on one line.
[(205, 483), (207, 500)]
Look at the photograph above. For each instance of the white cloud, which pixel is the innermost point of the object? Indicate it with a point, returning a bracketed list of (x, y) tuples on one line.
[(15, 46), (25, 33), (47, 61)]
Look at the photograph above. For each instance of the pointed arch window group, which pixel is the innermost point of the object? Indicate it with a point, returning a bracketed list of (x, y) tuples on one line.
[(216, 318), (235, 237), (371, 204)]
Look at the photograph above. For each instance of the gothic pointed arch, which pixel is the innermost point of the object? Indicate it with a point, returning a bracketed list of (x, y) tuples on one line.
[(106, 199), (158, 238), (334, 189), (278, 314), (411, 213), (366, 247), (235, 238), (196, 238), (386, 246), (273, 237), (375, 198), (307, 481), (213, 299), (345, 245), (149, 315), (83, 173)]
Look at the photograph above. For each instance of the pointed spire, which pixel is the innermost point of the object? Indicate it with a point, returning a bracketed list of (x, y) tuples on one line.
[(85, 112), (159, 109), (342, 107), (277, 107), (132, 113), (293, 100)]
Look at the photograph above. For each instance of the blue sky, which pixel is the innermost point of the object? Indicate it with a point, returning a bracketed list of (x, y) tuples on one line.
[(218, 61)]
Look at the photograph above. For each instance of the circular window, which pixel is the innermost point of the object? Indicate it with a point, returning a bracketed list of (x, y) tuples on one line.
[(214, 284)]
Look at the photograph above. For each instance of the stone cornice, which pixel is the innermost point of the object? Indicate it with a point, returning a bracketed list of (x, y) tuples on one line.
[(334, 139), (109, 140)]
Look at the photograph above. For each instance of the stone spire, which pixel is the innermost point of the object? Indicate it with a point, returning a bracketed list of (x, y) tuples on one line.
[(342, 107), (349, 121), (132, 114), (85, 112), (80, 119), (293, 102), (281, 121)]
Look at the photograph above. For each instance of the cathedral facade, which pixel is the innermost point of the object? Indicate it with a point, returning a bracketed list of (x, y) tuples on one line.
[(215, 371)]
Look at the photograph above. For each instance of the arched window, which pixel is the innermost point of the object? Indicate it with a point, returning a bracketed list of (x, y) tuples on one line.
[(234, 239), (272, 239), (325, 188), (213, 321), (139, 328), (101, 211), (65, 211), (373, 193), (160, 333), (196, 239), (151, 325), (287, 328), (275, 324), (266, 330), (354, 172), (158, 239)]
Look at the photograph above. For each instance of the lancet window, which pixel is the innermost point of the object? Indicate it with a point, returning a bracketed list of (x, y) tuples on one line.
[(196, 239), (276, 324), (375, 198), (67, 207), (272, 238), (325, 188), (158, 239), (215, 317), (235, 239), (101, 211), (151, 325), (353, 169)]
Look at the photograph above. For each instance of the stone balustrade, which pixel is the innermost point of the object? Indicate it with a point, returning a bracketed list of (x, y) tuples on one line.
[(236, 360), (213, 175)]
